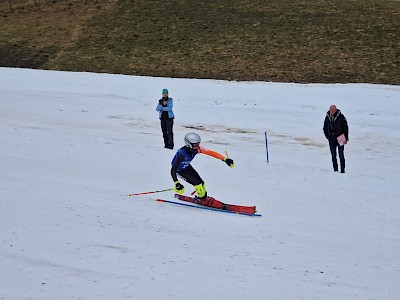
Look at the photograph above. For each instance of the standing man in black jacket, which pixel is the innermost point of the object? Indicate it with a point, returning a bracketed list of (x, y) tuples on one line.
[(335, 125)]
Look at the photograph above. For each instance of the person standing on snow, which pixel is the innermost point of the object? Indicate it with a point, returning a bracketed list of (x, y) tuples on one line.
[(335, 126), (166, 115), (181, 167)]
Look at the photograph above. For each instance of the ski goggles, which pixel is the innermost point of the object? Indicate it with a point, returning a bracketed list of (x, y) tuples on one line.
[(195, 145)]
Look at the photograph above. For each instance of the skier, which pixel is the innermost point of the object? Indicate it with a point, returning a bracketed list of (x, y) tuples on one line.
[(335, 125), (181, 166)]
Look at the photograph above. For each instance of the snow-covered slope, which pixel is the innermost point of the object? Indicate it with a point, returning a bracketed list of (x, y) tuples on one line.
[(74, 144)]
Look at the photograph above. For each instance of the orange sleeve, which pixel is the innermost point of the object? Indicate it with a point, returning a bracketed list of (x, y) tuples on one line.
[(211, 153)]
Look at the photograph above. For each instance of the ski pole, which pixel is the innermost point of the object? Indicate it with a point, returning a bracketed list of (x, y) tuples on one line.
[(226, 152), (153, 192)]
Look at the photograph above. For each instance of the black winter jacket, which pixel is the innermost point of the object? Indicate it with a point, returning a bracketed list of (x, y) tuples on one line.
[(335, 126)]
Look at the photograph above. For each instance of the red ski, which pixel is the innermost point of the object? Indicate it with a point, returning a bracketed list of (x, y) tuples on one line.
[(212, 202)]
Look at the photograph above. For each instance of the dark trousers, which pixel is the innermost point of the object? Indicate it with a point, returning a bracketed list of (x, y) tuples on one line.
[(333, 144), (190, 175), (168, 135)]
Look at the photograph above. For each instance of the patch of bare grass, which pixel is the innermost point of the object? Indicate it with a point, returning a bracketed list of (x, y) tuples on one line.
[(276, 40)]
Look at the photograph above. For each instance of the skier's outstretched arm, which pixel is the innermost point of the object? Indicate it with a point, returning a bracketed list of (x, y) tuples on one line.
[(217, 155)]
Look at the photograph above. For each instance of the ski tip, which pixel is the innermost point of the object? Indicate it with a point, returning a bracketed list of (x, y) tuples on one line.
[(161, 200)]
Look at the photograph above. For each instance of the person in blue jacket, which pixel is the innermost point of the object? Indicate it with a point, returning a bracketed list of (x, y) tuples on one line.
[(166, 115), (181, 166)]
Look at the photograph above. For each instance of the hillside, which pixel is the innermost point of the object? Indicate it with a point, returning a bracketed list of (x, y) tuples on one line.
[(277, 40)]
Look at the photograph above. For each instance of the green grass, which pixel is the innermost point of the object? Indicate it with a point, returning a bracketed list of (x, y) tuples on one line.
[(275, 40)]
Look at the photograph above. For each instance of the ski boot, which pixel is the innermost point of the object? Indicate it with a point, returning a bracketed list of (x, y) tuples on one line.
[(210, 202)]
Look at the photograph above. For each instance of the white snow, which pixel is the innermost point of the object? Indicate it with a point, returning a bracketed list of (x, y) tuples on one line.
[(74, 144)]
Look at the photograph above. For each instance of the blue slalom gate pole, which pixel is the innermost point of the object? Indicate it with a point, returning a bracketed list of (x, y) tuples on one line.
[(266, 146)]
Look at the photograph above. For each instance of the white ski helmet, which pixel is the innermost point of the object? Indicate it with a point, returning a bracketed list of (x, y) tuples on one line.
[(192, 140)]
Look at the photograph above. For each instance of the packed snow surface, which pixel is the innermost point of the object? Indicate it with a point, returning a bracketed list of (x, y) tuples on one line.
[(73, 145)]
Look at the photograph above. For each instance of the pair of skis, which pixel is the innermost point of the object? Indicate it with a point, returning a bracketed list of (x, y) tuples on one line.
[(229, 208), (194, 203)]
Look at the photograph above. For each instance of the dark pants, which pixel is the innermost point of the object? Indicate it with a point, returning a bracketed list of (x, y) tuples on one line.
[(333, 144), (190, 175), (168, 135)]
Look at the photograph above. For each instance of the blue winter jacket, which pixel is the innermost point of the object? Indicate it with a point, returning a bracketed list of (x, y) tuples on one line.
[(160, 108), (183, 158)]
